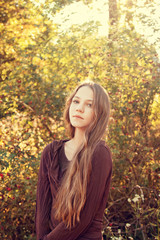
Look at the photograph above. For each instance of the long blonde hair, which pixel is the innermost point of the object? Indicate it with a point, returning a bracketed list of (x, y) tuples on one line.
[(71, 196)]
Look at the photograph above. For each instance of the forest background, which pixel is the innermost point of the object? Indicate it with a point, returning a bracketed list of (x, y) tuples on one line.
[(40, 64)]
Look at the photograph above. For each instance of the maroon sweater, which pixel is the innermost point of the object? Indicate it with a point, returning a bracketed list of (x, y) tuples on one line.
[(52, 167)]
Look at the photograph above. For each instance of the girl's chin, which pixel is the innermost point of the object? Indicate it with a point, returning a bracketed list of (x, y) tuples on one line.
[(76, 126)]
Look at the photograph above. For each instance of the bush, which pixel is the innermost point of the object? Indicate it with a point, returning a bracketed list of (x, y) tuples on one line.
[(33, 90)]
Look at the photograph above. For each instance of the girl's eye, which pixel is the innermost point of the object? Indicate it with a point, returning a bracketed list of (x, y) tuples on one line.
[(75, 101), (89, 105)]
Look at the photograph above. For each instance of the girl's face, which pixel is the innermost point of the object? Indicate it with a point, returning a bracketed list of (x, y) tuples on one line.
[(81, 112)]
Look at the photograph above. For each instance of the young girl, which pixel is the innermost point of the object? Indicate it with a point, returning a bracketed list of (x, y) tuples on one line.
[(75, 174)]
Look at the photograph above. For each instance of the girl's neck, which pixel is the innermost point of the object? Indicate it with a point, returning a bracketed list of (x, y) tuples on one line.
[(73, 145), (79, 137)]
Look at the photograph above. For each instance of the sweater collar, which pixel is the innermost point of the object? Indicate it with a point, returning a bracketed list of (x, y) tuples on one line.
[(56, 144)]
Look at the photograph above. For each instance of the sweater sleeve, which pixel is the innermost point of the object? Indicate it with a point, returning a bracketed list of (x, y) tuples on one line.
[(43, 199), (99, 180)]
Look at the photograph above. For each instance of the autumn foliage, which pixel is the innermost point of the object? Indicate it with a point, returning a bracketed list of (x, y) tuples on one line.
[(39, 67)]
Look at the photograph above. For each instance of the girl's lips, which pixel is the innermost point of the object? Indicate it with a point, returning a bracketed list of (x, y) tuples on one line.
[(77, 116)]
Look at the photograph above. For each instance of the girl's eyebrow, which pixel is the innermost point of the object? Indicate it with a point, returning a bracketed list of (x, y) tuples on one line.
[(86, 99), (76, 97)]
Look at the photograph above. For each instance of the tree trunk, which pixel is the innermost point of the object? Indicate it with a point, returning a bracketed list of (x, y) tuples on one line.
[(113, 12), (113, 17)]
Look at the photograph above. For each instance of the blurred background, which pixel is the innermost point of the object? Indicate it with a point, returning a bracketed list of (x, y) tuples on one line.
[(46, 49)]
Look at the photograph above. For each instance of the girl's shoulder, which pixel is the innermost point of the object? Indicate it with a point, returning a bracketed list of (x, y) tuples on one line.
[(49, 157), (50, 149), (53, 146), (102, 147), (102, 154)]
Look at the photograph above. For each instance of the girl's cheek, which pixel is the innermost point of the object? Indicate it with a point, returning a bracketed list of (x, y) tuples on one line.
[(71, 108)]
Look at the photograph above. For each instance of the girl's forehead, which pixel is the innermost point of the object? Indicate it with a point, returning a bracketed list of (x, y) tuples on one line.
[(84, 92)]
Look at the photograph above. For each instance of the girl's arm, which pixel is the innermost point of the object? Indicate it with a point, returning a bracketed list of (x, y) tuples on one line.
[(99, 182), (44, 199)]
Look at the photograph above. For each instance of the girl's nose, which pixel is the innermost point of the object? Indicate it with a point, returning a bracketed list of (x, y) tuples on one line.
[(80, 108)]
